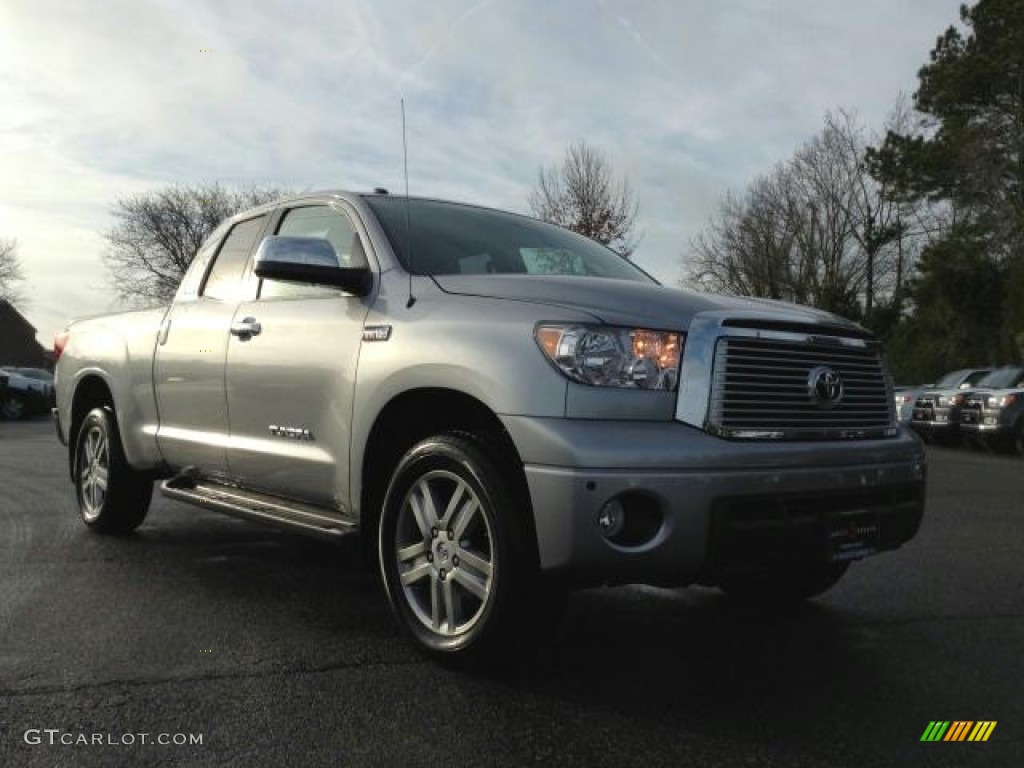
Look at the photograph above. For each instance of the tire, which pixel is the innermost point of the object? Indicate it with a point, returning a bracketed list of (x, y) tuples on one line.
[(112, 497), (783, 584), (457, 557), (13, 407)]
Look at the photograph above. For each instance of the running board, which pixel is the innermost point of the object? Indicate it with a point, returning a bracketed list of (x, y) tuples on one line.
[(250, 505)]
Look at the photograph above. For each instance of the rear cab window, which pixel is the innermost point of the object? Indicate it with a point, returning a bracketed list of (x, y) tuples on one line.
[(225, 282)]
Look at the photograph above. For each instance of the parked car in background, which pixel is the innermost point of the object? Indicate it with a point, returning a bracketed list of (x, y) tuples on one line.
[(993, 413), (935, 410), (26, 392)]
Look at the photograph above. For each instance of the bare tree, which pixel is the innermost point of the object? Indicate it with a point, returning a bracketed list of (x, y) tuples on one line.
[(157, 234), (583, 195), (11, 273), (817, 230)]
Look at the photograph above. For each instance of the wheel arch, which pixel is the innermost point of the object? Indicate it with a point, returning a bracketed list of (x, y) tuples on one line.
[(419, 413), (91, 391)]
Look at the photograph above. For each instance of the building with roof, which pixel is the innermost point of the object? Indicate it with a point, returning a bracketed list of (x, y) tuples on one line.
[(18, 345)]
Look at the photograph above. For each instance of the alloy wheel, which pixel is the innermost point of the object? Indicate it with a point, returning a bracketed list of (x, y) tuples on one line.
[(445, 552), (93, 472)]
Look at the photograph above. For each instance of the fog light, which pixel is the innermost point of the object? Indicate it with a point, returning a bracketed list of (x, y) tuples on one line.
[(612, 518)]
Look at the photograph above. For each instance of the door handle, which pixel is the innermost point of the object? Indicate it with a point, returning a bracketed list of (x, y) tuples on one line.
[(246, 328)]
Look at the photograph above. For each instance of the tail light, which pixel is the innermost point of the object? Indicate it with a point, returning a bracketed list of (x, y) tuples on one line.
[(59, 342)]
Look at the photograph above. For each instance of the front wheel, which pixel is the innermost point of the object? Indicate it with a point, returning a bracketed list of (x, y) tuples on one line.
[(783, 584), (112, 496), (456, 556)]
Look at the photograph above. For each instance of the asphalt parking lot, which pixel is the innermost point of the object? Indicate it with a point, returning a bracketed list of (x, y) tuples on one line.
[(280, 651)]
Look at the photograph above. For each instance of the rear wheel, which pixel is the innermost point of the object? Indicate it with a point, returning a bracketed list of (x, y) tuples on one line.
[(456, 555), (783, 584), (112, 497)]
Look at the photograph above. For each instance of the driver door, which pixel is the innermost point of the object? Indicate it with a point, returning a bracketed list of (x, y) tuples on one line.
[(290, 387)]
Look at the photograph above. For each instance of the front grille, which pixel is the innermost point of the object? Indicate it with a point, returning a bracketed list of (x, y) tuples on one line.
[(762, 388), (971, 412)]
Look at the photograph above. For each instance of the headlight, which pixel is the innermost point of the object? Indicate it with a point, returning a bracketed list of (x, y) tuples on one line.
[(1000, 402), (613, 357)]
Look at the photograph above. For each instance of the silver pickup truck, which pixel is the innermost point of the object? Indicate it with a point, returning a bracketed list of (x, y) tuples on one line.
[(504, 409)]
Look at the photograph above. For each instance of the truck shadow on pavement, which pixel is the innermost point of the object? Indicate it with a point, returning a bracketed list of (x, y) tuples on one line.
[(611, 642), (671, 663)]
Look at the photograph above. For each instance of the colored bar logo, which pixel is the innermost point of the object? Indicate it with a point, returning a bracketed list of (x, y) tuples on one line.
[(958, 730)]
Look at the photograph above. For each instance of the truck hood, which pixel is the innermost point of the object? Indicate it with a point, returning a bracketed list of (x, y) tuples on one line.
[(982, 394), (620, 302), (948, 392)]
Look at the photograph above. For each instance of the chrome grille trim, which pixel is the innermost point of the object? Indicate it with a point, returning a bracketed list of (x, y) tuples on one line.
[(759, 390)]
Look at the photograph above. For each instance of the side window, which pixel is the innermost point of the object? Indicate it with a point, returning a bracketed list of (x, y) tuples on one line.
[(225, 279), (189, 287), (317, 221)]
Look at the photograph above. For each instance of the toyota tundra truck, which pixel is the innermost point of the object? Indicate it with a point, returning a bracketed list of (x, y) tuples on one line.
[(993, 414), (503, 409)]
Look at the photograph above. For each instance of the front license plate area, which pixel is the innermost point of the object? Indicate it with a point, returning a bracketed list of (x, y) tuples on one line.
[(852, 535)]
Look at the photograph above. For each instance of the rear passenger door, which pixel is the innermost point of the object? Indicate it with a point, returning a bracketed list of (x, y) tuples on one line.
[(189, 368), (290, 387)]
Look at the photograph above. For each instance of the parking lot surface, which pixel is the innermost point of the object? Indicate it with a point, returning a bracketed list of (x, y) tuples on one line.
[(276, 650)]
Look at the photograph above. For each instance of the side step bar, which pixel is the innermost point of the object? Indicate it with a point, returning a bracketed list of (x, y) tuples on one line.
[(250, 505)]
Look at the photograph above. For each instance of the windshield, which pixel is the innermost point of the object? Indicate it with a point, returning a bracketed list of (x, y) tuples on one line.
[(1004, 378), (977, 376), (456, 239)]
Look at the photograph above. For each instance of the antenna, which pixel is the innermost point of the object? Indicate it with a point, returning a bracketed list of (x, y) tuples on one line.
[(408, 235)]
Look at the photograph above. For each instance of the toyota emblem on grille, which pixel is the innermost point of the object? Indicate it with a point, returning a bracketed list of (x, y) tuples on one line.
[(825, 386)]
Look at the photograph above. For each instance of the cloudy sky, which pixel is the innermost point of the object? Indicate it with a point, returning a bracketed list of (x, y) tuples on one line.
[(688, 98)]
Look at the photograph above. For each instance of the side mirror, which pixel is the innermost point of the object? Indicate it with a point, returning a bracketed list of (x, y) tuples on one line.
[(308, 260), (965, 385)]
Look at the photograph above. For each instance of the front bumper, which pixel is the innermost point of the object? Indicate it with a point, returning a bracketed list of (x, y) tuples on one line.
[(983, 422), (934, 421), (723, 505)]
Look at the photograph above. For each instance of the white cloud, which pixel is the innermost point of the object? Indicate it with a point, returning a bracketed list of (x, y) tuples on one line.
[(102, 100)]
